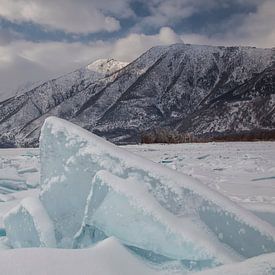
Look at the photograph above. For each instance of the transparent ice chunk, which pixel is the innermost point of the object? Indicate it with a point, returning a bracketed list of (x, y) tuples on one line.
[(28, 225)]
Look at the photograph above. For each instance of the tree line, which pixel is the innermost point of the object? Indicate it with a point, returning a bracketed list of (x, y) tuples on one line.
[(165, 135)]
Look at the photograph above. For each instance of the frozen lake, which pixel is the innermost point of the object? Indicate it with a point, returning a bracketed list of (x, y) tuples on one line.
[(243, 172)]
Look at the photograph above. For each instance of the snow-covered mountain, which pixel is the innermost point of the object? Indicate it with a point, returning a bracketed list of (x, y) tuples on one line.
[(205, 90)]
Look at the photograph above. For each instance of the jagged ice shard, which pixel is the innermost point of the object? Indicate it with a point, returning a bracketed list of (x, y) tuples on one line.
[(126, 209), (92, 189), (28, 225)]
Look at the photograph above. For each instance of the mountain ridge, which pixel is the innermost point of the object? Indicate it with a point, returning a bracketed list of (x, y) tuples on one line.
[(165, 87)]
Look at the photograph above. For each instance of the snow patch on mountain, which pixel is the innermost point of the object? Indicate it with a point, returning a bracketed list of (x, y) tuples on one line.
[(106, 66)]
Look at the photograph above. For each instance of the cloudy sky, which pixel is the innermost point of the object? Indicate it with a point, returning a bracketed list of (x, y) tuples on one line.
[(40, 39)]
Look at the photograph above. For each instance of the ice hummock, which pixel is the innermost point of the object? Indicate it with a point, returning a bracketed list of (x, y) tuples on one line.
[(91, 190), (125, 209), (28, 225), (70, 159)]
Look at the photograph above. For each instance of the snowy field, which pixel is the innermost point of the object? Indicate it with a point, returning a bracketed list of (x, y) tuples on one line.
[(243, 172)]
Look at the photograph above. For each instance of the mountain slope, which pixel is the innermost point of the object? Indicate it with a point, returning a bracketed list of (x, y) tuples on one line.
[(186, 87), (246, 108)]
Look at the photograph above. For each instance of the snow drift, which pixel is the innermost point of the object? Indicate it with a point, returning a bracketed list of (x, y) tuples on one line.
[(85, 261)]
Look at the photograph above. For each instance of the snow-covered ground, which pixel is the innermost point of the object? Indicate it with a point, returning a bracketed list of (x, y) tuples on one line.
[(243, 172)]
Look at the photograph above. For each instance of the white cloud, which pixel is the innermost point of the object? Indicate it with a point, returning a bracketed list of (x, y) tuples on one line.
[(71, 16), (133, 45), (258, 29), (7, 36), (239, 28), (163, 12), (22, 61), (254, 29), (167, 12)]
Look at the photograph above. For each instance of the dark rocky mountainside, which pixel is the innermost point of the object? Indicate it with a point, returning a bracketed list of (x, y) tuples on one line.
[(204, 90)]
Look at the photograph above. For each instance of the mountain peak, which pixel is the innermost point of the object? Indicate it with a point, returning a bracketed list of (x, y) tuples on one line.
[(106, 66)]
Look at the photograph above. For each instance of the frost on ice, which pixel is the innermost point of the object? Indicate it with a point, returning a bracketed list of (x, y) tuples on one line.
[(125, 209), (92, 189)]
